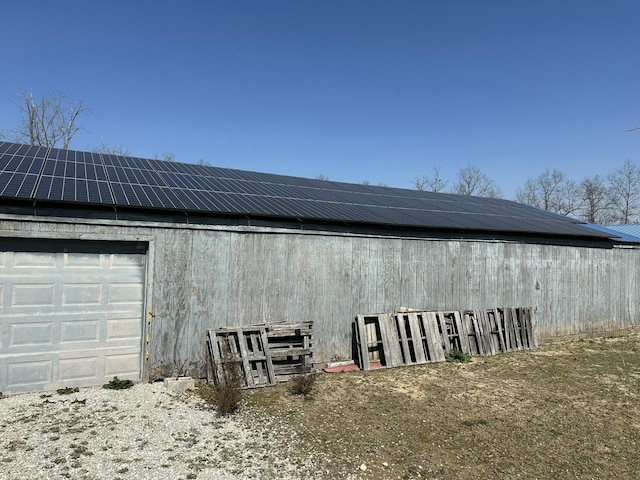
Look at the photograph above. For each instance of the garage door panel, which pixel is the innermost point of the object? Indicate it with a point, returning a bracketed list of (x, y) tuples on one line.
[(123, 365), (29, 261), (70, 319), (83, 368), (32, 295), (79, 331), (125, 293), (82, 293), (25, 373), (83, 261), (31, 333), (124, 261), (119, 328)]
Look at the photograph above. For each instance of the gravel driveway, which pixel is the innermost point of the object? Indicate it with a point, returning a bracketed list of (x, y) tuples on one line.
[(140, 433)]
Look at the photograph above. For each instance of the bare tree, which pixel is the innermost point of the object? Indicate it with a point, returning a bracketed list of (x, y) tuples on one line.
[(203, 163), (166, 157), (435, 183), (322, 177), (596, 206), (552, 191), (48, 121), (625, 192), (116, 149), (473, 182)]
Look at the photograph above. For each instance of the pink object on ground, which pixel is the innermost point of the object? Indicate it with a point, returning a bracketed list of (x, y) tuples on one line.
[(341, 368)]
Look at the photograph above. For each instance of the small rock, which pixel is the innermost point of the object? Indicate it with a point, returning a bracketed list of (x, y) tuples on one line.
[(385, 464), (363, 467)]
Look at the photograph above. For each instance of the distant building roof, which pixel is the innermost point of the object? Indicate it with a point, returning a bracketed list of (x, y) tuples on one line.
[(42, 176), (628, 233)]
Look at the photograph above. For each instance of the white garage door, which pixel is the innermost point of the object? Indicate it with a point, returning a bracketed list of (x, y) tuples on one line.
[(71, 314)]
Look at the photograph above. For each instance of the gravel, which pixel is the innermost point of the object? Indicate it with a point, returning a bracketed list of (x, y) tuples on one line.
[(143, 432)]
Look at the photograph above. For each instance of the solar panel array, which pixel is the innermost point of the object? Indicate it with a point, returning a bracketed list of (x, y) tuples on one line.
[(67, 176)]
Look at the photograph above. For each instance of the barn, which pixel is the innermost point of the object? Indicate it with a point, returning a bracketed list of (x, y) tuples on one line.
[(117, 266)]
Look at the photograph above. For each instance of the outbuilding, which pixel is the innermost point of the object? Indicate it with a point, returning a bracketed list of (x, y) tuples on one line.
[(117, 266)]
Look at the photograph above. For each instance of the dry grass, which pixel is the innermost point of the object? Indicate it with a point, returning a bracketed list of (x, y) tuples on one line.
[(564, 411), (226, 395)]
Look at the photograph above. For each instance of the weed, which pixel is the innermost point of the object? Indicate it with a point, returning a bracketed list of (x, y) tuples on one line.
[(303, 384), (473, 423), (191, 475), (142, 443), (16, 445), (226, 395), (67, 390), (189, 440), (180, 368), (117, 384), (79, 450), (455, 355)]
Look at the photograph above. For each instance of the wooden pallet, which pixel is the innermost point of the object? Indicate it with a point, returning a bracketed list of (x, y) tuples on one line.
[(248, 347), (267, 353), (291, 349), (411, 338)]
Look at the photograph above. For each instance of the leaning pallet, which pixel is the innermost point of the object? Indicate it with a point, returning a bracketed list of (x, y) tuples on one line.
[(408, 338), (291, 349), (245, 347), (266, 353)]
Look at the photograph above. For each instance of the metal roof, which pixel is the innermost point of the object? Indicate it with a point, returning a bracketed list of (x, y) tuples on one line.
[(628, 233), (40, 175)]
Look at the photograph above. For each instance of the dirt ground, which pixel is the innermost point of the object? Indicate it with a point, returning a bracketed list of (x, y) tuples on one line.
[(569, 410)]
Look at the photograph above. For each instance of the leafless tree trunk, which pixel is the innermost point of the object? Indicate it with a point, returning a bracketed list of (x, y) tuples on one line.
[(472, 181), (116, 149), (434, 183), (48, 121), (597, 200), (551, 191), (625, 191)]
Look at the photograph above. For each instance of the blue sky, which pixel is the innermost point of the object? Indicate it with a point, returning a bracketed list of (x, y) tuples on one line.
[(355, 89)]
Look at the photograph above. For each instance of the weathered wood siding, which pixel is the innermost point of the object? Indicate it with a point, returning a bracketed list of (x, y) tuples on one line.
[(208, 277)]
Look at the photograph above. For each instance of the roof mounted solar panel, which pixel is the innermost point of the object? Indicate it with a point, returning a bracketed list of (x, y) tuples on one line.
[(75, 177)]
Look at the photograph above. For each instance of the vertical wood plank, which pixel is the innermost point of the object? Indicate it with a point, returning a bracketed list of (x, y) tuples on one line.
[(463, 333), (400, 322), (433, 336), (487, 329), (444, 335), (416, 337), (363, 340), (269, 362)]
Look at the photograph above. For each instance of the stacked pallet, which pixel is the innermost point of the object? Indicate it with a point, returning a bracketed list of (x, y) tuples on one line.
[(415, 337), (266, 354)]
